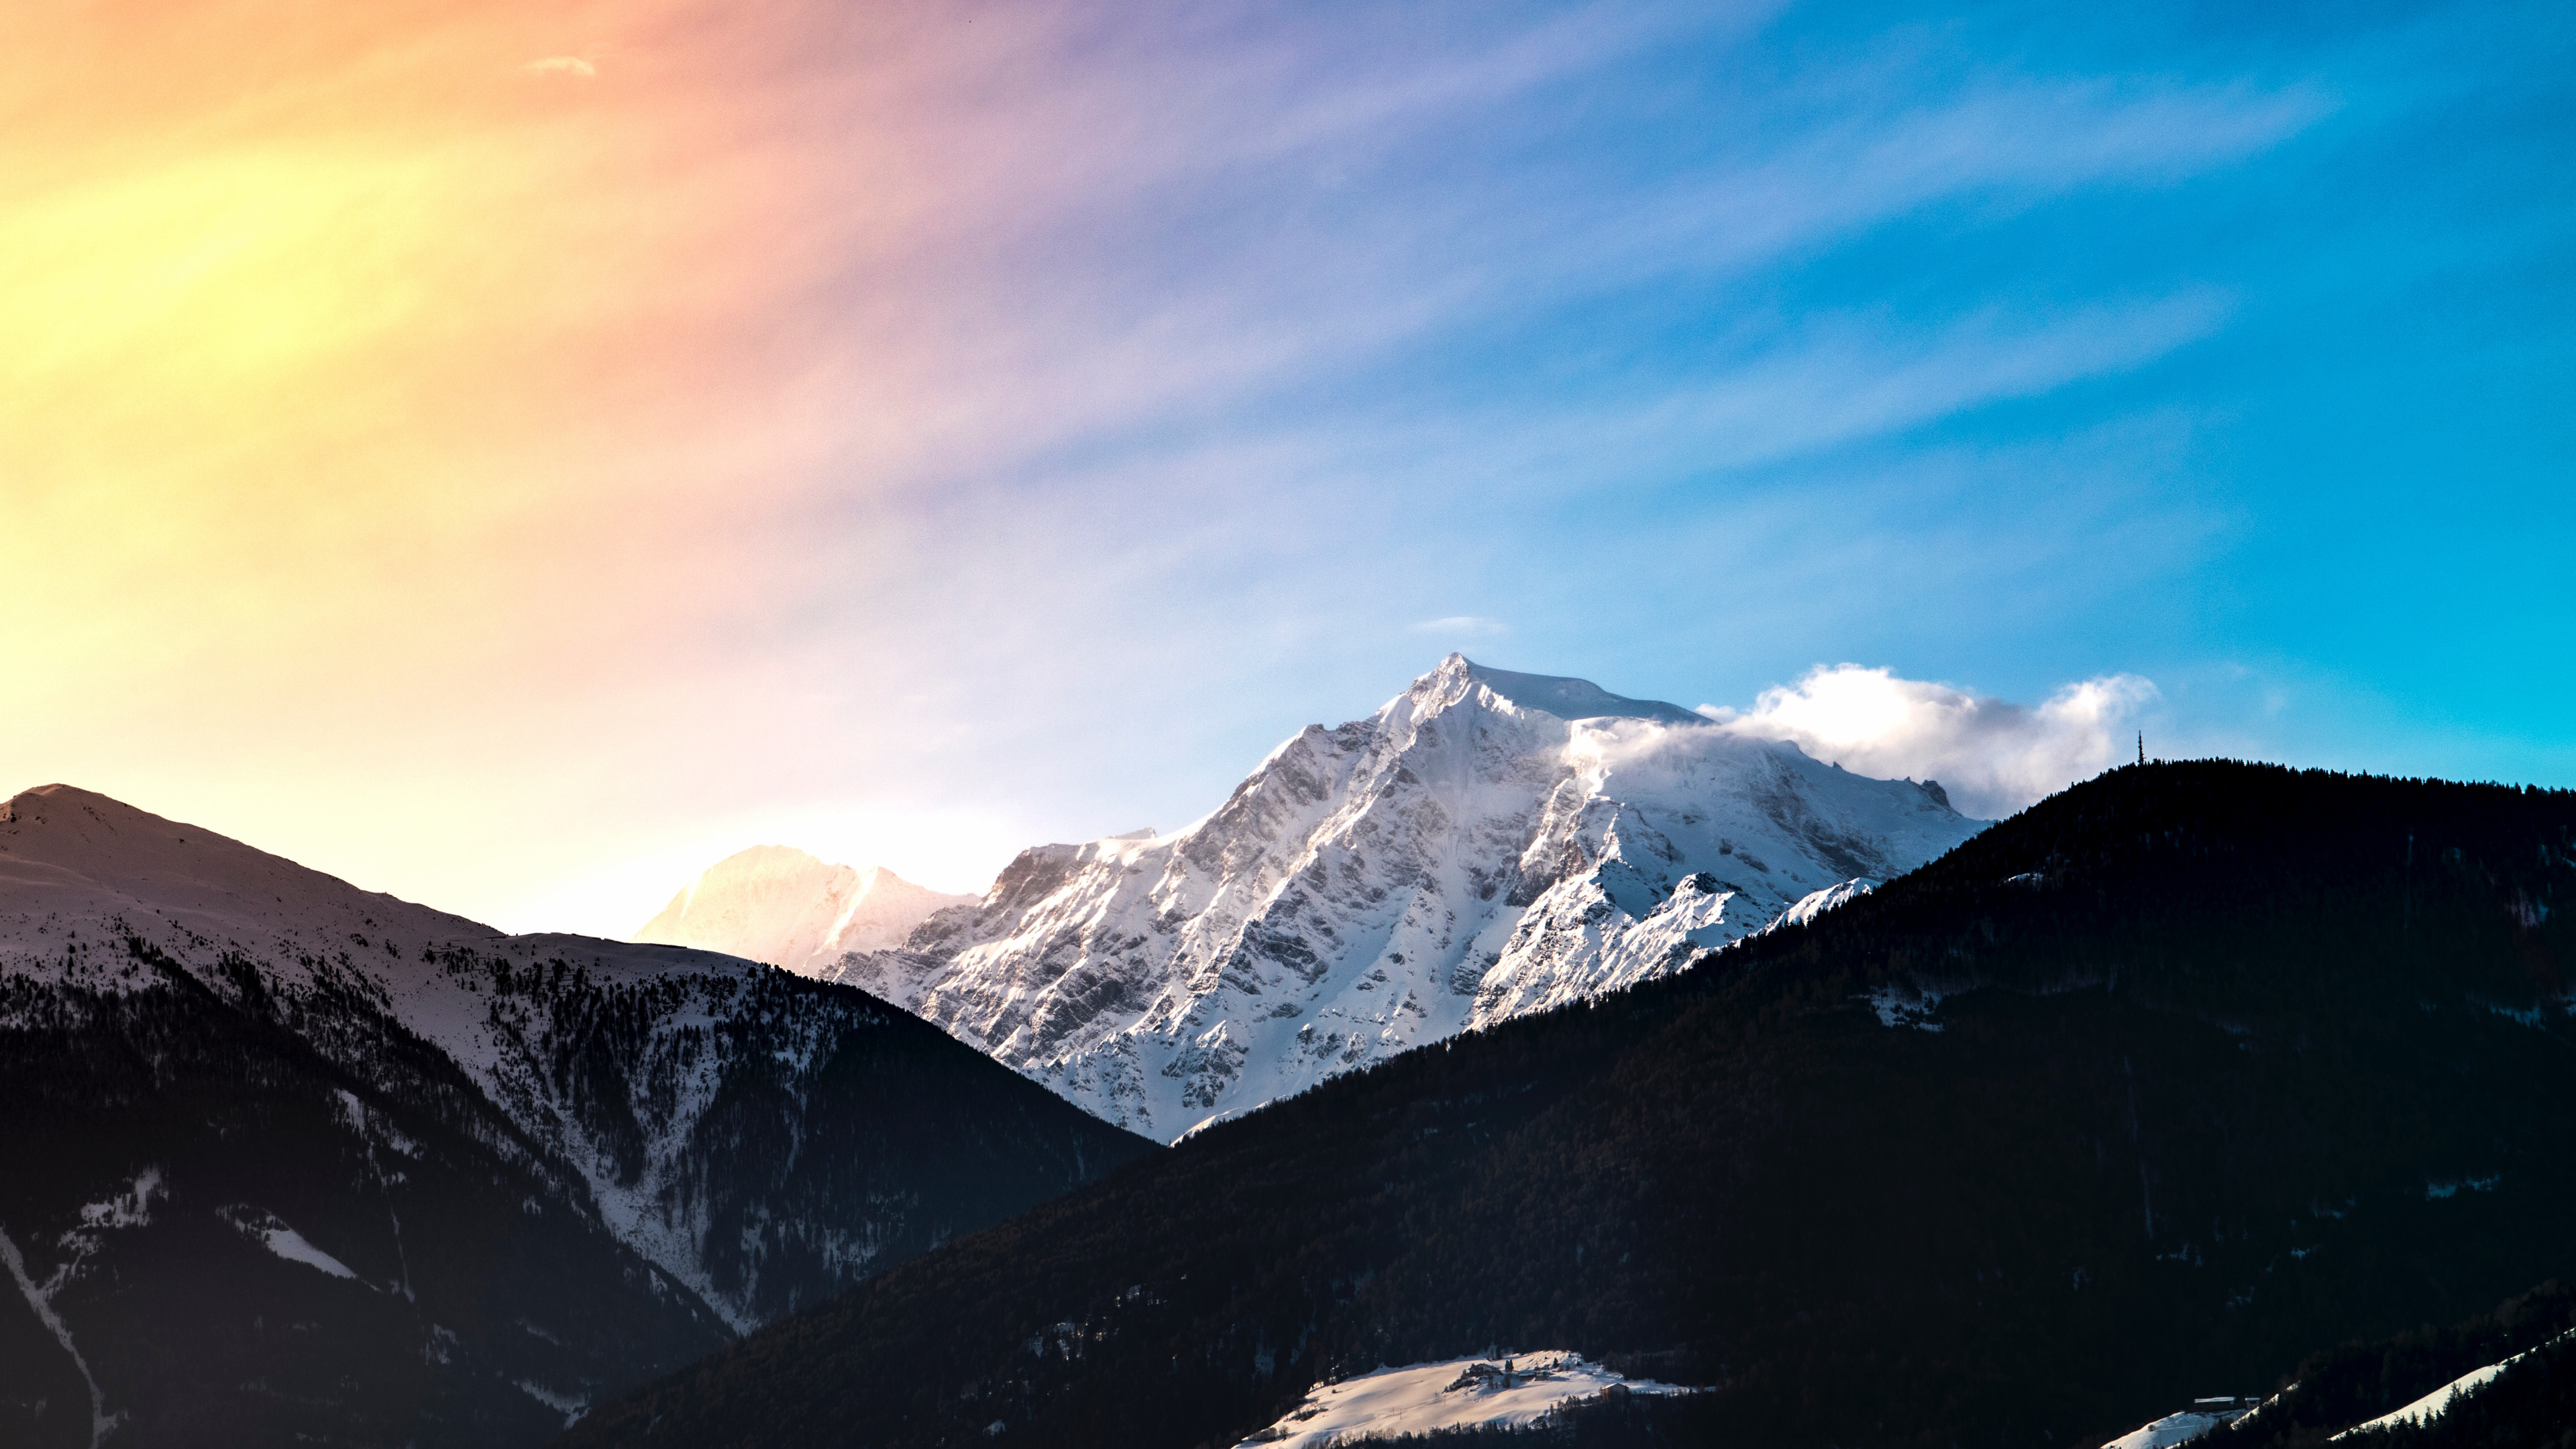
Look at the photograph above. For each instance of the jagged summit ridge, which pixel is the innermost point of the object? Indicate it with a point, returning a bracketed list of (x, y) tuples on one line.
[(1568, 699), (1487, 843)]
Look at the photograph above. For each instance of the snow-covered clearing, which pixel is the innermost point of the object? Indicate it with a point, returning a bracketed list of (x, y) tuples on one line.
[(2175, 1429), (1516, 1391)]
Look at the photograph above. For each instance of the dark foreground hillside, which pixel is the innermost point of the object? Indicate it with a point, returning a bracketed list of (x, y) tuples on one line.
[(158, 1143), (158, 1139), (2163, 1082), (2533, 1404), (2530, 1406)]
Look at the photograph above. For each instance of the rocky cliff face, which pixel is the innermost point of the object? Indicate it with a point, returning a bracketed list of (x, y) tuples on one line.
[(1486, 844), (289, 1161)]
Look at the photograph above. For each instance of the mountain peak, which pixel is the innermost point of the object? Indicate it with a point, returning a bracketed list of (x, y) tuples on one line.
[(1564, 697), (61, 844), (790, 908), (1488, 843), (31, 805)]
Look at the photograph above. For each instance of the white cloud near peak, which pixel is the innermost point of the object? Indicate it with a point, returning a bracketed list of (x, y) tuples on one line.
[(1463, 626), (1992, 756)]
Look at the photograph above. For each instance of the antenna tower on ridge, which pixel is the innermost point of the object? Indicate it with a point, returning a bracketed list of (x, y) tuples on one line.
[(2142, 747)]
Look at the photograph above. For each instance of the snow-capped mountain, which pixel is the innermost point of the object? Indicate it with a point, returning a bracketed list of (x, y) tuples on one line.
[(484, 1178), (2194, 1099), (774, 904), (1487, 844)]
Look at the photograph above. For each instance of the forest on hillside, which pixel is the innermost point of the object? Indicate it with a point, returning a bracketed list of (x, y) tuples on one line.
[(2191, 1069), (2533, 1404)]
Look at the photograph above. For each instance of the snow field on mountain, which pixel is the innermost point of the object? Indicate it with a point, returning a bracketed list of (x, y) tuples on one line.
[(1514, 1392)]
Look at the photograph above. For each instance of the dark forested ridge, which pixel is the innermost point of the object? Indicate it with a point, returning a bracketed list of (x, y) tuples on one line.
[(152, 1137), (2531, 1405), (2163, 1082)]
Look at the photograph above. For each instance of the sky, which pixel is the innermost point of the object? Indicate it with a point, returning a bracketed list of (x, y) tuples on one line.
[(512, 456)]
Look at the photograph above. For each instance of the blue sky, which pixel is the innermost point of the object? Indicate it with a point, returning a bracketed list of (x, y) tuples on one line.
[(1122, 389), (2008, 348)]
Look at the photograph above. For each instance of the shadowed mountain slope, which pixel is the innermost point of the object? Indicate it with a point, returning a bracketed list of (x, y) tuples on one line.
[(2167, 1080)]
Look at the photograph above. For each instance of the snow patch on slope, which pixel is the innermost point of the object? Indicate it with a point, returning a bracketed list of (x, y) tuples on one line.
[(572, 1407), (1514, 1393), (271, 1232), (131, 1207)]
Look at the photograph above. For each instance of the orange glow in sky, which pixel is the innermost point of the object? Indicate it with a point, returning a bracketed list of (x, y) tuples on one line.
[(394, 391), (513, 455)]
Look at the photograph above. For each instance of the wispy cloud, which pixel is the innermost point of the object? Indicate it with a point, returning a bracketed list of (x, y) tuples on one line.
[(1992, 756), (1833, 381), (578, 66), (1463, 626)]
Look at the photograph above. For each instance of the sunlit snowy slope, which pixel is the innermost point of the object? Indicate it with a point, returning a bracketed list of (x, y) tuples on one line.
[(782, 906), (2178, 1428), (1422, 1399), (1487, 844), (2439, 1402)]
